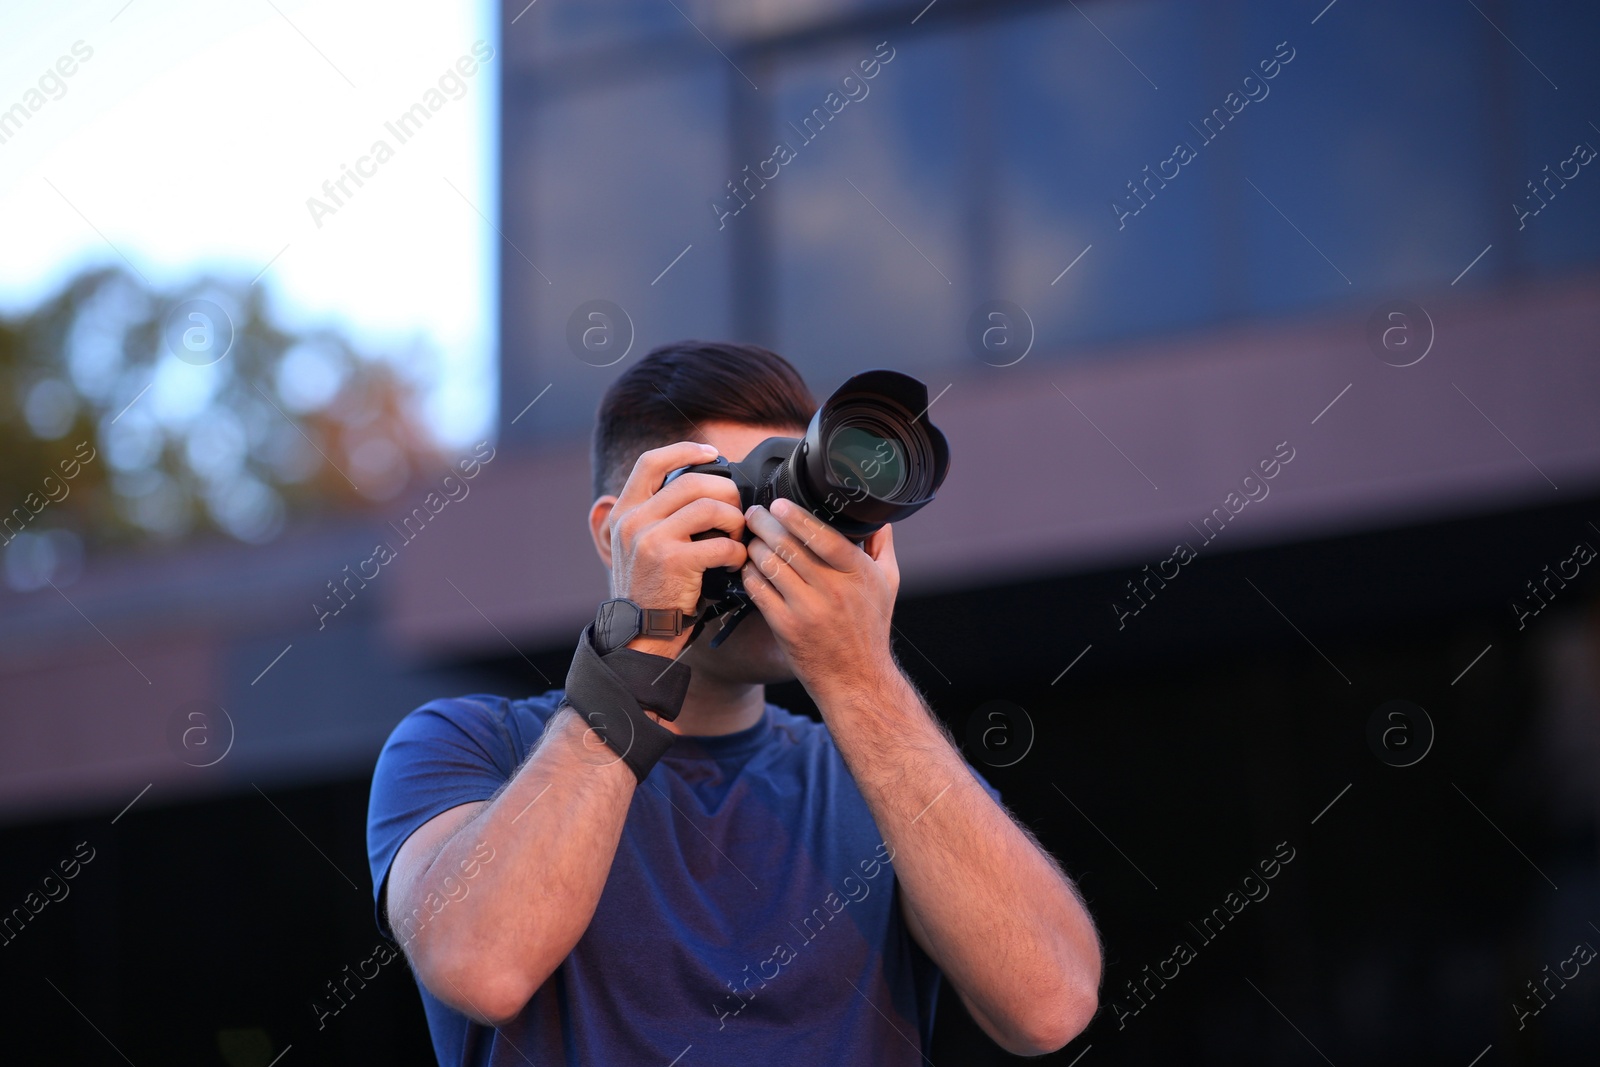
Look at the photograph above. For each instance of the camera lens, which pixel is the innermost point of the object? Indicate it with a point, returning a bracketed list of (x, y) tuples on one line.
[(870, 455), (862, 457)]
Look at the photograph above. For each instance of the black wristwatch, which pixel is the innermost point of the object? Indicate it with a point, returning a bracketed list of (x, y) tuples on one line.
[(620, 620)]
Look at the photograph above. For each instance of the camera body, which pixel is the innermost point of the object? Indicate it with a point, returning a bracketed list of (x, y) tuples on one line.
[(869, 457)]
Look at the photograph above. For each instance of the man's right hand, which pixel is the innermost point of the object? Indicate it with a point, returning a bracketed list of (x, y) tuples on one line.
[(654, 561)]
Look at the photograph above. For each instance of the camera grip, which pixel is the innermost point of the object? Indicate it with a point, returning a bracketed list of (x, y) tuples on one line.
[(717, 581)]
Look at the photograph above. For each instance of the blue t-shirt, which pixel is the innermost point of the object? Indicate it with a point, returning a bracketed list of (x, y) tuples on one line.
[(750, 911)]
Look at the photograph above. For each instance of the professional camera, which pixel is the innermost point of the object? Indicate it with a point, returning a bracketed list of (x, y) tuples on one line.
[(869, 457)]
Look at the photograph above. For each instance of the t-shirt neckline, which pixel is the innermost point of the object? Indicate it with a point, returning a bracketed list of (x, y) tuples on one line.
[(723, 746)]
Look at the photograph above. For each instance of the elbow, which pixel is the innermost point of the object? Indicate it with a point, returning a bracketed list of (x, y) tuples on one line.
[(1068, 999), (499, 1002), (1060, 1018), (1052, 1030), (491, 999), (1072, 1020), (488, 994)]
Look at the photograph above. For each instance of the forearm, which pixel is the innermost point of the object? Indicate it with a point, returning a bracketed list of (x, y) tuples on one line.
[(999, 917), (554, 831)]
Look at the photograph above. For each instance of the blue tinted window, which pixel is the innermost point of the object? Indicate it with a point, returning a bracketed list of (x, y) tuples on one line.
[(869, 260), (1080, 111), (603, 191), (1551, 118), (1147, 148), (1373, 145)]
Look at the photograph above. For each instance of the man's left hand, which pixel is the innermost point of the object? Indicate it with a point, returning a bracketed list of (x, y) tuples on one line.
[(827, 601)]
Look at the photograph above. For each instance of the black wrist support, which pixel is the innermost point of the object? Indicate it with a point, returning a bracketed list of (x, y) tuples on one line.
[(610, 693)]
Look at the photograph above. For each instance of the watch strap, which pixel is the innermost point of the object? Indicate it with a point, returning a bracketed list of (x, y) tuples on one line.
[(606, 702), (643, 622), (656, 682)]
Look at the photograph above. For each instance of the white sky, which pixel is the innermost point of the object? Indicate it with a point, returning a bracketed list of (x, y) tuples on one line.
[(193, 136)]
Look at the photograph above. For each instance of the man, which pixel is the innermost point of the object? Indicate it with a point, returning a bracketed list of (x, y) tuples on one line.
[(767, 889)]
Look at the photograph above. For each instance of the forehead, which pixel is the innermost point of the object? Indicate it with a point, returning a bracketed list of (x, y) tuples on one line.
[(735, 439)]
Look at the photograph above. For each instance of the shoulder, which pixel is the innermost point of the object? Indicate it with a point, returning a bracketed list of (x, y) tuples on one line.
[(491, 728), (449, 751)]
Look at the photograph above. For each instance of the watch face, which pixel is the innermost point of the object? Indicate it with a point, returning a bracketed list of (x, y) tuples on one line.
[(616, 624), (661, 622)]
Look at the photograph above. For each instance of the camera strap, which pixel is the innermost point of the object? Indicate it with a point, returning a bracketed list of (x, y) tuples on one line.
[(736, 616), (610, 693), (730, 604)]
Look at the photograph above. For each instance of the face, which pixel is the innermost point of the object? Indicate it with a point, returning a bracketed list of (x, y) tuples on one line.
[(751, 654)]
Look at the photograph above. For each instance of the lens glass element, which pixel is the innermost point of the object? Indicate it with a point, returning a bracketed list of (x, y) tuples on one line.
[(863, 459)]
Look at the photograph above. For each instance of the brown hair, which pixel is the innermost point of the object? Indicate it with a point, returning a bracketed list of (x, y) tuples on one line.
[(675, 387)]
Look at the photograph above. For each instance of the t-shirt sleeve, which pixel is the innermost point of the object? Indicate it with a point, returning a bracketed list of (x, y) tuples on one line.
[(443, 754)]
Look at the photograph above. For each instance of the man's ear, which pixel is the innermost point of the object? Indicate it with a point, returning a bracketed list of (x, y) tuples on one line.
[(600, 527)]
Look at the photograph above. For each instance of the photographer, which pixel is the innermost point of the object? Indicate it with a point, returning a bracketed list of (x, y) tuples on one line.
[(731, 877)]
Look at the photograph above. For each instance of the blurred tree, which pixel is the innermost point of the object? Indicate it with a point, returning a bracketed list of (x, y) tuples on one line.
[(128, 415)]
